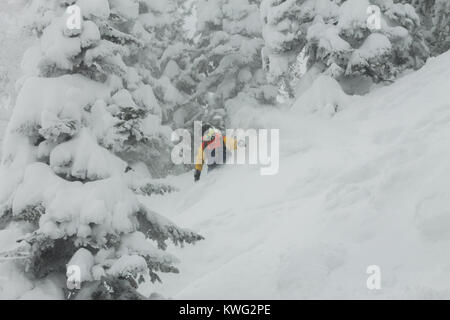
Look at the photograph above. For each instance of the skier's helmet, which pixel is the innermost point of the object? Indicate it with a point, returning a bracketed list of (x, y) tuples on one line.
[(206, 127), (209, 132)]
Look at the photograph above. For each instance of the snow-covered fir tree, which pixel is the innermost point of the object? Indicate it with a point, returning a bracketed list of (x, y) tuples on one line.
[(166, 55), (227, 62), (338, 39), (380, 52), (164, 64), (83, 116), (441, 27), (285, 25), (435, 18)]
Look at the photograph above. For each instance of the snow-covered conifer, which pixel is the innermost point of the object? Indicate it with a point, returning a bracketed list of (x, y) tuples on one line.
[(83, 116), (435, 19), (228, 60), (285, 27), (339, 39)]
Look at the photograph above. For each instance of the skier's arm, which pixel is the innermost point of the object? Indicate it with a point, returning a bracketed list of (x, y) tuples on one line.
[(230, 143)]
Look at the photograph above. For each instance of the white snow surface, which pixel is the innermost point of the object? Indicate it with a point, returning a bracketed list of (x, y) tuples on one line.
[(367, 186)]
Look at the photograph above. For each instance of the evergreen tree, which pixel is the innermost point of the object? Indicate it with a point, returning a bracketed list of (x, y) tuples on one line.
[(382, 53), (435, 17), (339, 40), (285, 27), (83, 113), (164, 63), (166, 54), (227, 61), (441, 27)]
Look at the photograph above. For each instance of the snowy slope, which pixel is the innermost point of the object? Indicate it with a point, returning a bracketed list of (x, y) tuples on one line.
[(369, 186)]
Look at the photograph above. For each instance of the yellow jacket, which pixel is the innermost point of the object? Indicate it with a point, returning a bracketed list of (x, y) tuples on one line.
[(229, 143)]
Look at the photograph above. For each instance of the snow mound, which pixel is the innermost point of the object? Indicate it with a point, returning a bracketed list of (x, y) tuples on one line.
[(324, 96)]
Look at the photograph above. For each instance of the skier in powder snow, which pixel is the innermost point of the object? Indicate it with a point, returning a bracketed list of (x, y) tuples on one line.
[(213, 149)]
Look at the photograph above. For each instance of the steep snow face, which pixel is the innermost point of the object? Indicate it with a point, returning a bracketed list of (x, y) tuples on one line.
[(368, 186)]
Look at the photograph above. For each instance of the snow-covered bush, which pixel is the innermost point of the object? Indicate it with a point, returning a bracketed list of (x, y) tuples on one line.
[(83, 115)]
